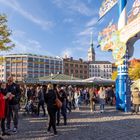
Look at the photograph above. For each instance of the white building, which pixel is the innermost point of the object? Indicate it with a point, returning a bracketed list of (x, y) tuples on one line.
[(2, 71), (29, 66), (101, 69)]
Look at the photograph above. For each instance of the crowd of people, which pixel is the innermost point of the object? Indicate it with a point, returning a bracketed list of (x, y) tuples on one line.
[(31, 97)]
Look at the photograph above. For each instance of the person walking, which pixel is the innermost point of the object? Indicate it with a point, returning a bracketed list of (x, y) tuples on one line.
[(77, 97), (135, 100), (92, 97), (13, 106), (50, 98), (102, 98), (41, 100)]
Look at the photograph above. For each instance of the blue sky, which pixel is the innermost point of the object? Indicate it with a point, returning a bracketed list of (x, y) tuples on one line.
[(58, 27)]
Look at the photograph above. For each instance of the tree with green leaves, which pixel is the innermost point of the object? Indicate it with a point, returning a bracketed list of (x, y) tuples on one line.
[(5, 41)]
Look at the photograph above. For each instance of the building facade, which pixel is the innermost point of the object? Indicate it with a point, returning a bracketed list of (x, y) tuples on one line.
[(2, 71), (25, 67), (101, 69), (76, 68)]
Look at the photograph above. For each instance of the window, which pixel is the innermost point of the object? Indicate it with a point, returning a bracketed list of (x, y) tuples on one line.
[(71, 65), (24, 69), (81, 66), (52, 61), (8, 64), (52, 66), (41, 66), (30, 64), (85, 72), (36, 59), (13, 70), (76, 65), (57, 67), (36, 65), (46, 70), (24, 58), (41, 60), (41, 70), (85, 67), (19, 70), (13, 64), (30, 75), (66, 70), (19, 64), (19, 58), (46, 66), (30, 69), (24, 64), (36, 76), (66, 64), (47, 60), (30, 59), (56, 62)]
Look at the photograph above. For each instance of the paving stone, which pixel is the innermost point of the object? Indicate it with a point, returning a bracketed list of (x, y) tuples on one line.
[(82, 125)]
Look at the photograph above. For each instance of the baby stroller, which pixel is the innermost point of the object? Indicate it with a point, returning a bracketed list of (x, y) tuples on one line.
[(30, 107)]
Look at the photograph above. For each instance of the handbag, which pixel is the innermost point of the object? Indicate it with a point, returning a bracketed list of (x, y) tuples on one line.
[(58, 103)]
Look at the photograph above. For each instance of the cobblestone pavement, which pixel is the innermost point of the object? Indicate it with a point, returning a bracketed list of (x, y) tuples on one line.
[(82, 125)]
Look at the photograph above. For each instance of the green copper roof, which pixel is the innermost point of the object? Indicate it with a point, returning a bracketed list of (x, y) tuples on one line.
[(58, 77)]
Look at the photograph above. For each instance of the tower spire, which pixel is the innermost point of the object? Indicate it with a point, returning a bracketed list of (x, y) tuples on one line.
[(91, 40), (91, 52)]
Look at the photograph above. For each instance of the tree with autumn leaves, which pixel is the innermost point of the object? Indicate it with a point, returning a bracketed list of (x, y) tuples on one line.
[(134, 71), (5, 41)]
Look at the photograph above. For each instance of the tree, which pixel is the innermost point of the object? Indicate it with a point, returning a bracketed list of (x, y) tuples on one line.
[(114, 75), (5, 41), (134, 71)]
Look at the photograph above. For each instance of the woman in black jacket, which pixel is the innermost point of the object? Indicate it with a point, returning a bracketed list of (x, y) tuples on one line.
[(50, 98)]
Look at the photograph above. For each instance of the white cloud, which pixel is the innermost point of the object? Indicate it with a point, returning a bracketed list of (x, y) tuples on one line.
[(67, 52), (87, 31), (92, 22), (68, 20), (17, 7), (75, 6), (18, 33), (24, 44)]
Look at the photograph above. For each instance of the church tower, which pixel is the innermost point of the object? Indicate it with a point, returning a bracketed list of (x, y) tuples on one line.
[(91, 51)]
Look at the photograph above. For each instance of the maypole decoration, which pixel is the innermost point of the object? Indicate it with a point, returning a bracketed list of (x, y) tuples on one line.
[(123, 82), (109, 39)]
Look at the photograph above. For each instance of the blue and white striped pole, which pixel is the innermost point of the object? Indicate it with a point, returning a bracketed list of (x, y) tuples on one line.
[(122, 82)]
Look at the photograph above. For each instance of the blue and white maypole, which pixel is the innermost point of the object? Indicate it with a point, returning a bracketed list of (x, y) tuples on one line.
[(123, 82)]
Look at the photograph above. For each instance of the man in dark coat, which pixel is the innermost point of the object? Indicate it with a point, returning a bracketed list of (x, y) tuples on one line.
[(13, 106)]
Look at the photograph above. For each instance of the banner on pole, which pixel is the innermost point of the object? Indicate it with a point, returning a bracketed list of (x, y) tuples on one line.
[(106, 6), (135, 12), (109, 39)]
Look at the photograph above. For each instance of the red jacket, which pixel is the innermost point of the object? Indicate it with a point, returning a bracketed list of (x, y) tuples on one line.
[(2, 106)]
